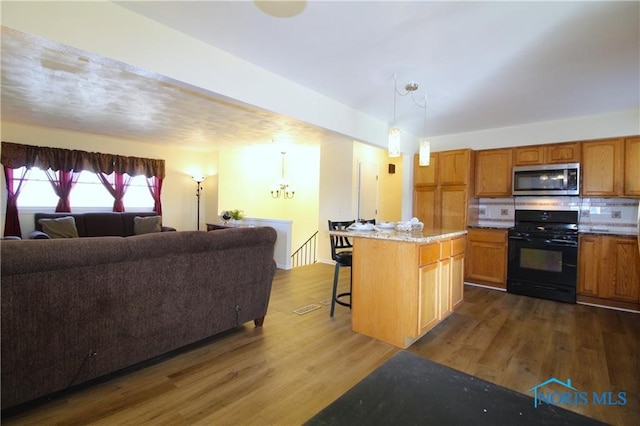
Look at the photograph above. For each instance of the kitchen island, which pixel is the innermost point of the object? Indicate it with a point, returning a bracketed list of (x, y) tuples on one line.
[(404, 283)]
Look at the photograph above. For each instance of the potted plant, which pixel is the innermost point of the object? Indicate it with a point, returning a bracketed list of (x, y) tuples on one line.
[(232, 216)]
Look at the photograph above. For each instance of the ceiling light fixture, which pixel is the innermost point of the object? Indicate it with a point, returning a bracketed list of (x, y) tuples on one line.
[(424, 152), (282, 187), (394, 131)]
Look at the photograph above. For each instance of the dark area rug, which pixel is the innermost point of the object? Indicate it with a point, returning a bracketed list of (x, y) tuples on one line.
[(409, 390)]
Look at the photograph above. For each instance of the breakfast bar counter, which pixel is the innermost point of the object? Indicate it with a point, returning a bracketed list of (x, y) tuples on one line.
[(404, 283)]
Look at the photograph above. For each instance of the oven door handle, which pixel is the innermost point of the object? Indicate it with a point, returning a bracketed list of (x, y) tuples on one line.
[(520, 238), (563, 242)]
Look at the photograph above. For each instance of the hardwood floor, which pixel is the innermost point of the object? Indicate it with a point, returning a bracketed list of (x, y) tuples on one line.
[(288, 370)]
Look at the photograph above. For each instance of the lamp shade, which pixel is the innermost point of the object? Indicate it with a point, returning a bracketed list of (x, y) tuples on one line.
[(394, 142), (424, 153)]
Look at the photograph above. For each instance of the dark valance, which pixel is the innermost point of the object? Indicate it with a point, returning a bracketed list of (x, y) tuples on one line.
[(17, 155)]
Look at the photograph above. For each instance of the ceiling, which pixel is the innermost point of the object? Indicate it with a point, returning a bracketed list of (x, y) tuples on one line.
[(481, 65)]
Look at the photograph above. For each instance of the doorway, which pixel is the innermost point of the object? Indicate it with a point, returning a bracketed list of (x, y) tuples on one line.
[(367, 191)]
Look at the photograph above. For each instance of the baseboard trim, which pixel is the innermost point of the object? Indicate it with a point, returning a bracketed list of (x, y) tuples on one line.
[(485, 286), (615, 308)]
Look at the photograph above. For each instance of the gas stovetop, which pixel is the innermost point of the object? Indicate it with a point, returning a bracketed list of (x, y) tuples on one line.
[(559, 225)]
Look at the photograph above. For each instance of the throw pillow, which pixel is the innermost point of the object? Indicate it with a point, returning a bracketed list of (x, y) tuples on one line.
[(147, 224), (60, 227)]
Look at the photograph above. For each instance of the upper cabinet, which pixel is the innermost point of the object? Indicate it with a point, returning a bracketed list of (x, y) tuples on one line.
[(442, 189), (493, 173), (528, 155), (454, 167), (547, 154), (602, 168), (632, 166), (562, 153), (426, 175)]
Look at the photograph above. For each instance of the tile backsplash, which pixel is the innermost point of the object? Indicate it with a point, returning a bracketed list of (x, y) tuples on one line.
[(615, 215)]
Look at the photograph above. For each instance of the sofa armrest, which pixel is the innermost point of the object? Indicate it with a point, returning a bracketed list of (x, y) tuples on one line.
[(168, 229), (39, 235)]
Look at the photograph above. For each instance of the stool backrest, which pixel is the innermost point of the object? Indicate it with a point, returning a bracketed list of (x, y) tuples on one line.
[(338, 242)]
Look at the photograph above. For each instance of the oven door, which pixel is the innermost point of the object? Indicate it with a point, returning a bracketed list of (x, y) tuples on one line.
[(542, 269)]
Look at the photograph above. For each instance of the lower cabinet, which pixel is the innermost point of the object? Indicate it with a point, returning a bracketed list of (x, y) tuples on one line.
[(402, 289), (609, 271), (457, 270), (487, 257)]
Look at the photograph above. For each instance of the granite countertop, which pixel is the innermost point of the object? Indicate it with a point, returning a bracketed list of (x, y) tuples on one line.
[(613, 233), (421, 237), (502, 228)]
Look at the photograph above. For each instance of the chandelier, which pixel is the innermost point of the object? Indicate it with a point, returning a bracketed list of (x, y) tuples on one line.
[(282, 188)]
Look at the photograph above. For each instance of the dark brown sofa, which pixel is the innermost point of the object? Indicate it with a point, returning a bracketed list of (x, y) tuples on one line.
[(77, 309), (98, 224)]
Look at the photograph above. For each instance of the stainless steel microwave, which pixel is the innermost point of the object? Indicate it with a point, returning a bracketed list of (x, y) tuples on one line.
[(548, 179)]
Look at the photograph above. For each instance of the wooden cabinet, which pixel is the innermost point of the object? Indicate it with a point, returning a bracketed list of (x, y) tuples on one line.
[(454, 167), (632, 167), (602, 168), (457, 270), (453, 207), (547, 154), (442, 189), (402, 289), (428, 297), (493, 173), (486, 257), (609, 271), (562, 153), (426, 175), (528, 155), (425, 205)]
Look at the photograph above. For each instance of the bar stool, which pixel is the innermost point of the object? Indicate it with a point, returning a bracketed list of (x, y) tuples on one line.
[(342, 254)]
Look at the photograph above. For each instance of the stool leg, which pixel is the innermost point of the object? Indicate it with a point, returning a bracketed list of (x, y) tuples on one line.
[(335, 288)]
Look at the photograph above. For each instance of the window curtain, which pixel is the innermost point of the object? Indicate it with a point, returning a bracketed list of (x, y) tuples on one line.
[(11, 220), (155, 187), (17, 155), (117, 189), (62, 182)]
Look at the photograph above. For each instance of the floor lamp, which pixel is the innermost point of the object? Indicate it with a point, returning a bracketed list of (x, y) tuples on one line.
[(198, 180)]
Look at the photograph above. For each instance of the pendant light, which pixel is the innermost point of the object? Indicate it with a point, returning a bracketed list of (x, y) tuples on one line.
[(394, 132), (424, 152)]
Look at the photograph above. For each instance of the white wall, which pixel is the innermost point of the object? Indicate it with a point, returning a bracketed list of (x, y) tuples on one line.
[(623, 123), (247, 176)]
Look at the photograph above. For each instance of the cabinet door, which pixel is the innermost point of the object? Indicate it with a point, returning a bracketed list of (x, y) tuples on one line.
[(444, 296), (453, 207), (493, 173), (632, 167), (562, 153), (457, 280), (602, 168), (428, 297), (620, 279), (589, 265), (425, 199), (426, 175), (528, 155), (486, 257), (454, 166)]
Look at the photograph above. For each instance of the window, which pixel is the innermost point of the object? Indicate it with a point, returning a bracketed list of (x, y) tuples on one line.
[(87, 192)]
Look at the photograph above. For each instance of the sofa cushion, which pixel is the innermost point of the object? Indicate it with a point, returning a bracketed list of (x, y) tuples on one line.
[(103, 224), (147, 225), (61, 227)]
